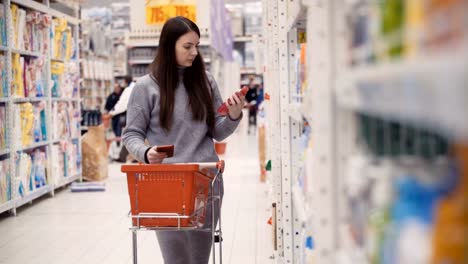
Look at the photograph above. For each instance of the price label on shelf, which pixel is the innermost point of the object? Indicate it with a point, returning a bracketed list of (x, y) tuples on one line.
[(157, 12)]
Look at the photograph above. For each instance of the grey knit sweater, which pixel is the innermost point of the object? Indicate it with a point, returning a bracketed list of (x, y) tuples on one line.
[(190, 138)]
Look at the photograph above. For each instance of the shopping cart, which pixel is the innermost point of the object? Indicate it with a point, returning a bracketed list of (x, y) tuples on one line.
[(174, 197)]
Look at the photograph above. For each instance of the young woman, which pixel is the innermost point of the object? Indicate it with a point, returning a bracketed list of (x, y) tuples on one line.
[(176, 104)]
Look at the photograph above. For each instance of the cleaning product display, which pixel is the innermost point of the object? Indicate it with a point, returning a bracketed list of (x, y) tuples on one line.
[(29, 123), (405, 29), (66, 120), (28, 76), (5, 181), (30, 30), (31, 171), (399, 188)]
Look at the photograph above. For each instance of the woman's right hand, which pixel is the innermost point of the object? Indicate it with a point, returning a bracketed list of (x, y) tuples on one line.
[(155, 157)]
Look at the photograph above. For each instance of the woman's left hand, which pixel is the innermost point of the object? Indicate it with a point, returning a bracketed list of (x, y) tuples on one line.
[(235, 103)]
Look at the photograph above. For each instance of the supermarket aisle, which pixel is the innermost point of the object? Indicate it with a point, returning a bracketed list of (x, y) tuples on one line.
[(93, 227)]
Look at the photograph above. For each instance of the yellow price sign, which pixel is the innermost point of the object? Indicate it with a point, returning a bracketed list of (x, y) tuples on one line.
[(159, 14)]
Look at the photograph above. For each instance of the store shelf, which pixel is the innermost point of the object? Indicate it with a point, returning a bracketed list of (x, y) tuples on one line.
[(300, 207), (67, 180), (28, 99), (26, 53), (54, 99), (4, 152), (6, 206), (32, 5), (143, 44), (63, 139), (33, 195), (35, 145), (3, 48), (140, 61), (248, 70), (44, 9), (58, 60), (296, 13), (153, 41), (4, 99), (295, 111), (243, 39), (430, 92), (84, 128)]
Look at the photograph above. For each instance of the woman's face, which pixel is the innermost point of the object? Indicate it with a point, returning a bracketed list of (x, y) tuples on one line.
[(186, 49)]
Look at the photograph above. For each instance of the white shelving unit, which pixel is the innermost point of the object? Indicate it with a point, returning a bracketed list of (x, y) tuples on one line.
[(427, 92), (15, 148)]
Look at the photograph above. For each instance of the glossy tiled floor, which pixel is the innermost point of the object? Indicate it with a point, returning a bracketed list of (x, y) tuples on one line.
[(93, 227)]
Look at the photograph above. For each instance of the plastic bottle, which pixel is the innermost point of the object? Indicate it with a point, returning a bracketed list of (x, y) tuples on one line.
[(450, 241)]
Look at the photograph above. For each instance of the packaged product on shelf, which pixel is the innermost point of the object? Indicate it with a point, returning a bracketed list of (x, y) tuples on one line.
[(40, 131), (450, 239), (65, 79), (34, 80), (23, 173), (66, 120), (5, 181), (446, 23), (71, 158), (60, 120), (3, 32), (3, 77), (2, 127), (393, 27), (37, 32), (57, 71), (28, 77), (415, 20), (17, 83), (39, 167), (57, 163), (301, 83), (29, 123), (402, 193), (62, 40), (31, 171), (18, 24)]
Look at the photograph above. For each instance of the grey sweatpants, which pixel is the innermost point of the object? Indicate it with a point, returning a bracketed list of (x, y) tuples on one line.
[(190, 247)]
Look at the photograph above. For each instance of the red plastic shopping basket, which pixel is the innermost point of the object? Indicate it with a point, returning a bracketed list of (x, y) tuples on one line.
[(177, 191)]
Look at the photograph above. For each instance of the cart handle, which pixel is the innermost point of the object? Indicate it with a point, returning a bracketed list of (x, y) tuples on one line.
[(220, 165)]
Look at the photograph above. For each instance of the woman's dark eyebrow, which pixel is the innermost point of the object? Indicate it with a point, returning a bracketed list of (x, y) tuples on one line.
[(192, 43)]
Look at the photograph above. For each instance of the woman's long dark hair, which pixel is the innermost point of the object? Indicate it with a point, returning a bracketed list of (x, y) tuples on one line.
[(164, 69)]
